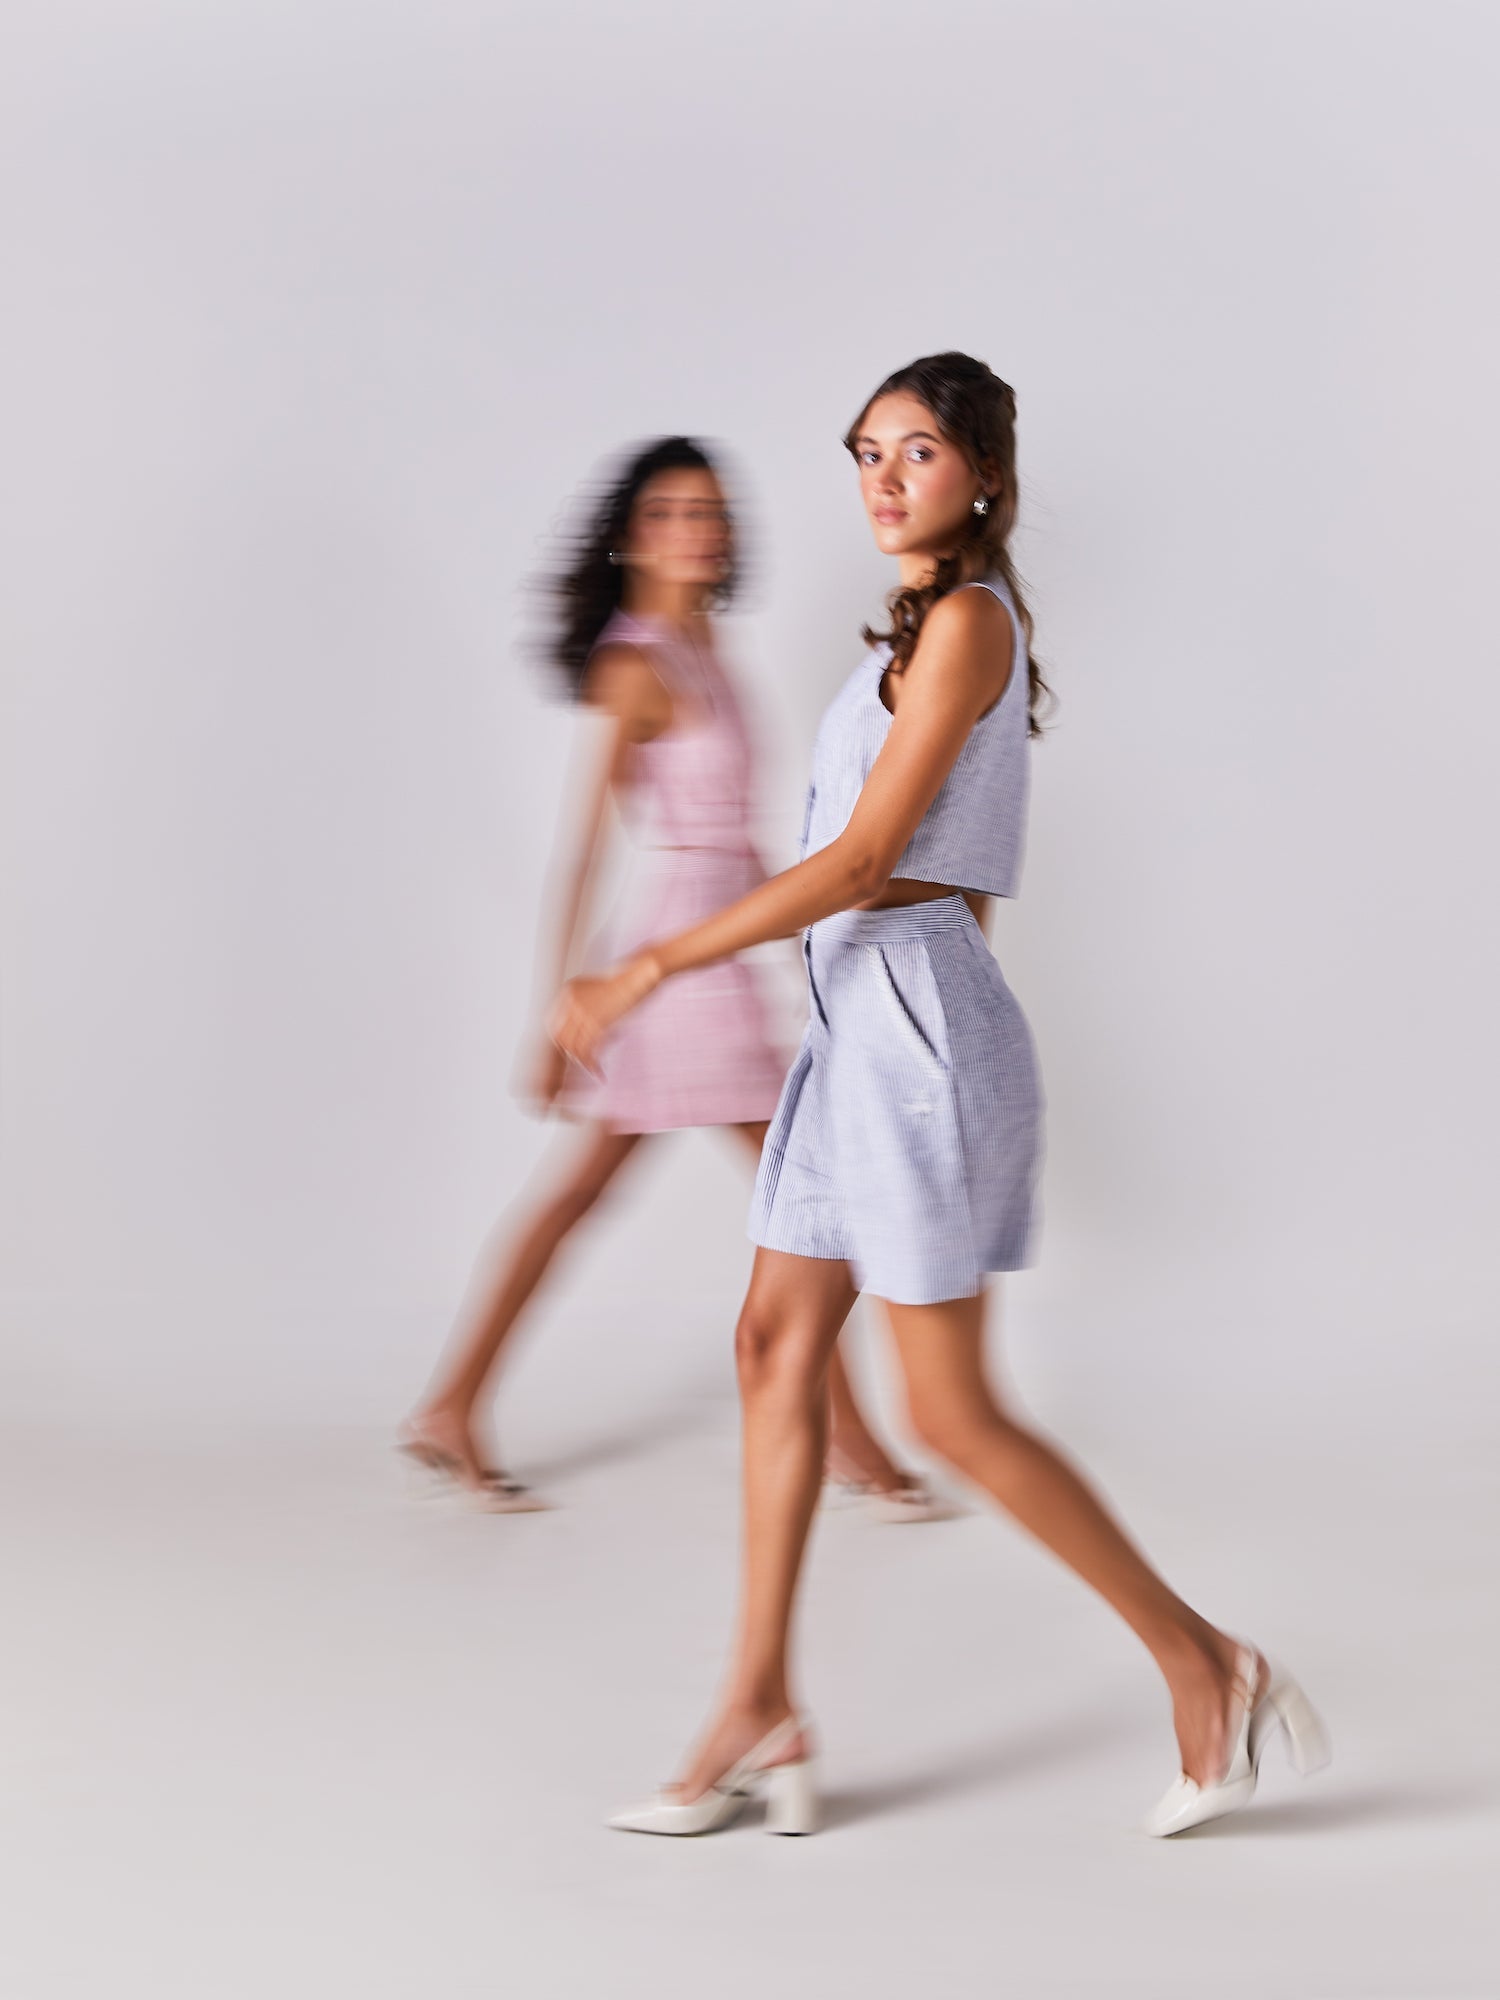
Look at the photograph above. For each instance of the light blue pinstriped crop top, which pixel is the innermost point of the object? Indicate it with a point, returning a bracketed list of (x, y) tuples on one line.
[(974, 832)]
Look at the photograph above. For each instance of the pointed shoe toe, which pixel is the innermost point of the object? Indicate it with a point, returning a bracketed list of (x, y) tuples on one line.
[(705, 1814), (1186, 1804)]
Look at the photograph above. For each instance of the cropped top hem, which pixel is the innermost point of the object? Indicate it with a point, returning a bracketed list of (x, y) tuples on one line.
[(948, 882)]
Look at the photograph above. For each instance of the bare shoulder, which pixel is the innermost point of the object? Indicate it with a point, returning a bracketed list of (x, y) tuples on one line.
[(623, 683), (970, 616), (968, 640)]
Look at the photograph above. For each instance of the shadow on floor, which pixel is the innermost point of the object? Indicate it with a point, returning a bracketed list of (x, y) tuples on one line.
[(638, 1439), (984, 1767), (1377, 1806)]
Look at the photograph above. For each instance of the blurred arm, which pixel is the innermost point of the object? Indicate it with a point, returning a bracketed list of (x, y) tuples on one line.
[(625, 704)]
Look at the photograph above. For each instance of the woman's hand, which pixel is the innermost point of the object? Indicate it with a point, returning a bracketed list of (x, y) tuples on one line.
[(540, 1074), (587, 1009)]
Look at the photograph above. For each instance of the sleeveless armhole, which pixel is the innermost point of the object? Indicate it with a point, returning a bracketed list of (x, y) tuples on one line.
[(1017, 641), (642, 652)]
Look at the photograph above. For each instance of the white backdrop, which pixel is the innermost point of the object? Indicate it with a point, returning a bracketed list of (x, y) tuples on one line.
[(314, 316)]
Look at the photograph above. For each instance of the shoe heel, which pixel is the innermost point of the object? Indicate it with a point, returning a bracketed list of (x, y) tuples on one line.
[(792, 1798), (1306, 1737), (1288, 1709)]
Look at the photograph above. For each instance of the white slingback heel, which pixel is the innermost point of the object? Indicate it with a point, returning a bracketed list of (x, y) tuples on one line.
[(791, 1794), (1281, 1705)]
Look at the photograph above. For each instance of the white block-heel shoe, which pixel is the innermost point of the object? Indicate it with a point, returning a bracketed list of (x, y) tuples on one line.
[(1281, 1704), (791, 1794), (792, 1798)]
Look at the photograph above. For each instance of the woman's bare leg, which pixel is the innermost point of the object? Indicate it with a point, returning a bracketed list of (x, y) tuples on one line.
[(445, 1416), (852, 1446), (854, 1452), (787, 1330), (955, 1410)]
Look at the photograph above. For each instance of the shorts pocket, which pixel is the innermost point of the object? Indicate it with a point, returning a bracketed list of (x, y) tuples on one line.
[(913, 993)]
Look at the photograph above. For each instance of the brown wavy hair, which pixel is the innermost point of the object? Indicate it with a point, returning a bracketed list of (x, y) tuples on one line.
[(976, 411)]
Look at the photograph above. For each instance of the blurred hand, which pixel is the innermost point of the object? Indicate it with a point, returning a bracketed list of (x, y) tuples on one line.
[(587, 1009), (540, 1075)]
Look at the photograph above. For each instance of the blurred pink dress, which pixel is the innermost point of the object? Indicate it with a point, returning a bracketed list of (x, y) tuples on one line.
[(700, 1050)]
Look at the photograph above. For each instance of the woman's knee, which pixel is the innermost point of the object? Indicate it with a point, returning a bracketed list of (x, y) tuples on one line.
[(774, 1355), (760, 1338), (582, 1192), (578, 1200), (960, 1430)]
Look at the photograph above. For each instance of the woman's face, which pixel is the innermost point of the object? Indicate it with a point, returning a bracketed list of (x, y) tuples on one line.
[(679, 528), (918, 488)]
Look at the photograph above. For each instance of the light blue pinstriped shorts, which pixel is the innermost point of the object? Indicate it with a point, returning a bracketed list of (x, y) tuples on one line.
[(908, 1138)]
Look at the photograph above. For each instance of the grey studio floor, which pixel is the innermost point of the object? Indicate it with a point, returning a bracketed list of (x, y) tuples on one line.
[(273, 1725)]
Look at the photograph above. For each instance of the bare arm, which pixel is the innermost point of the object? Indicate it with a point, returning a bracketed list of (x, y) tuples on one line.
[(594, 768), (959, 670), (626, 705)]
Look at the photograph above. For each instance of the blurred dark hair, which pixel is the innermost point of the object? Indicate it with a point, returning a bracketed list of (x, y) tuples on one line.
[(586, 589), (976, 411)]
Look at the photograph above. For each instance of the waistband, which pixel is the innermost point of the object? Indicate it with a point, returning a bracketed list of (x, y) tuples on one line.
[(740, 853), (902, 920)]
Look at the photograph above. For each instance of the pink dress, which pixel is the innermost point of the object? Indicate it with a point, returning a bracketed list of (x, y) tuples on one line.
[(699, 1051)]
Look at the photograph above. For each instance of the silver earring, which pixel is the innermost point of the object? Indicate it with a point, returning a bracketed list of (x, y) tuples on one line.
[(616, 558), (982, 505)]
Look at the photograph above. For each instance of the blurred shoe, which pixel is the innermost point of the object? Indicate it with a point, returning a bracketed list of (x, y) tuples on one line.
[(912, 1500), (1186, 1803), (791, 1794), (1262, 1710), (492, 1492)]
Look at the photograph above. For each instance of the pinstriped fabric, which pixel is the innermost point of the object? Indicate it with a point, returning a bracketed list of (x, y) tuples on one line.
[(908, 1138), (973, 834)]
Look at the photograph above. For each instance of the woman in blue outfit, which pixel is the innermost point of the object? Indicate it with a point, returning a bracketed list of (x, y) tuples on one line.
[(903, 1156)]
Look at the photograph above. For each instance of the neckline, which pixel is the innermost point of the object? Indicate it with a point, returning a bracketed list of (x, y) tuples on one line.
[(666, 631), (696, 665)]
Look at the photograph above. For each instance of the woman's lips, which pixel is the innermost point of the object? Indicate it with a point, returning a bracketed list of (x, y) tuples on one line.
[(889, 516)]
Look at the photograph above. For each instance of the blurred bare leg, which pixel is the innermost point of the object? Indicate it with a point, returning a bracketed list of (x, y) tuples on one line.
[(444, 1418)]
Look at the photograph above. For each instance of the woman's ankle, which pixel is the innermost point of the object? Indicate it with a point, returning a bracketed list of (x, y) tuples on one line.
[(762, 1699), (431, 1418), (1189, 1648)]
